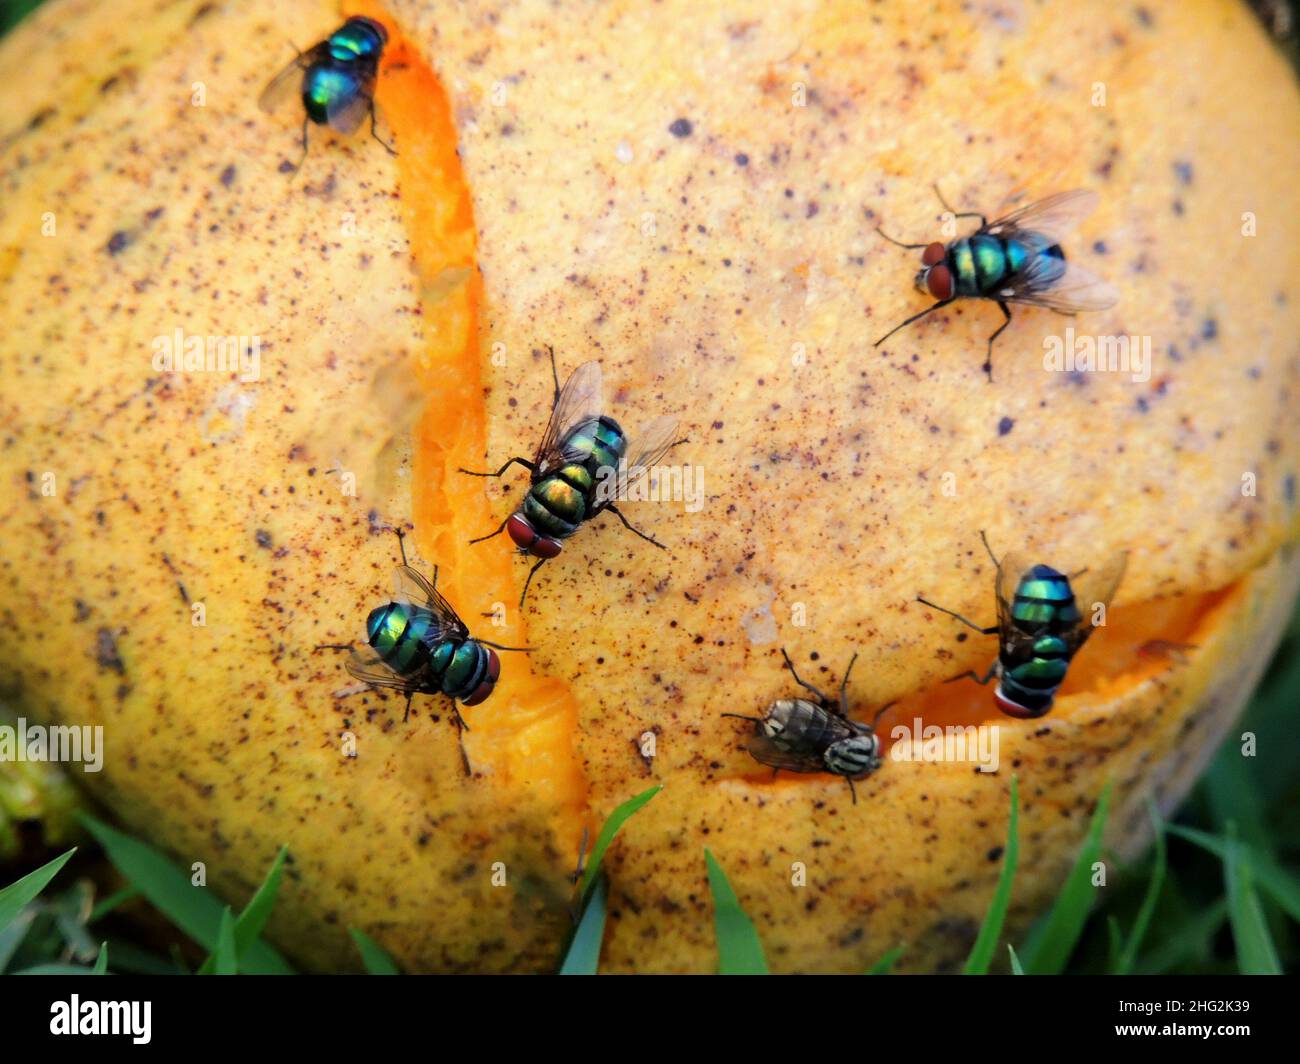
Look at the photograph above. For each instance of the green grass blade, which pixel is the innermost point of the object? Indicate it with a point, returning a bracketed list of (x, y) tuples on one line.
[(55, 969), (1273, 879), (11, 938), (1185, 939), (583, 957), (253, 919), (886, 963), (128, 958), (981, 954), (1256, 954), (611, 828), (1052, 942), (107, 905), (1016, 968), (15, 897), (101, 962), (739, 950), (224, 960), (194, 910), (1128, 955), (376, 961)]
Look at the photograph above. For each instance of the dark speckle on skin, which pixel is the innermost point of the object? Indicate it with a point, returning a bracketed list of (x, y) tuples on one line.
[(681, 128), (1143, 16), (228, 175), (1288, 488), (118, 242), (995, 854), (1209, 329), (1006, 425), (1183, 171), (106, 651), (742, 159), (1099, 246), (263, 538)]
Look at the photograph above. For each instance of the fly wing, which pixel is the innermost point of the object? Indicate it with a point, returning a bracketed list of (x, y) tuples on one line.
[(1055, 217), (348, 110), (656, 440), (1062, 286), (371, 669), (289, 81), (1095, 586), (412, 587), (579, 400), (763, 750), (1013, 566)]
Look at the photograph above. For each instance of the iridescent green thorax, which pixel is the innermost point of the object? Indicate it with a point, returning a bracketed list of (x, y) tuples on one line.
[(560, 501), (327, 89), (983, 263)]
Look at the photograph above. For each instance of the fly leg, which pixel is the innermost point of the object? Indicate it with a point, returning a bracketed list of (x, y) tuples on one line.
[(626, 524), (807, 686), (973, 675), (844, 683), (461, 728), (984, 222), (531, 572), (914, 317), (514, 461), (407, 715), (303, 157), (332, 646), (375, 135), (852, 790), (500, 528), (996, 563), (899, 243), (555, 377), (968, 623), (988, 358)]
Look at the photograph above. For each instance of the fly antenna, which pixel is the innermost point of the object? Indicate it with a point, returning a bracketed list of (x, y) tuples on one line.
[(990, 549)]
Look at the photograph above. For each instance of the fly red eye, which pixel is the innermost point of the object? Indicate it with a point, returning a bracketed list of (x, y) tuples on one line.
[(521, 532), (939, 281), (933, 255), (479, 694), (545, 547)]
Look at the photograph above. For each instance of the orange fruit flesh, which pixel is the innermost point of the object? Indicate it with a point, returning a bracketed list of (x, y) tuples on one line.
[(522, 735)]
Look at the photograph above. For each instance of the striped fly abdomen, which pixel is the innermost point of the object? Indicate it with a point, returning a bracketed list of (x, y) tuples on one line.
[(558, 503), (398, 633), (1044, 600), (1043, 607), (404, 637)]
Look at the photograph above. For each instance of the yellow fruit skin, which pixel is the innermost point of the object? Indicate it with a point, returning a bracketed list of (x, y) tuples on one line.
[(696, 280)]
